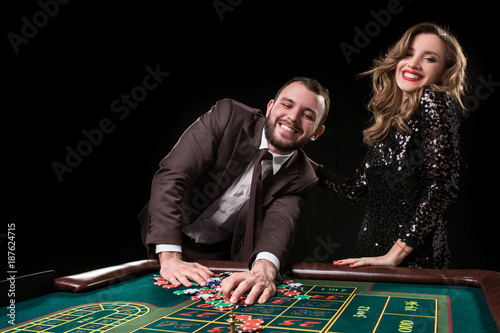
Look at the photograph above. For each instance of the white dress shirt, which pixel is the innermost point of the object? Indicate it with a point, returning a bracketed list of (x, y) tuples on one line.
[(220, 226)]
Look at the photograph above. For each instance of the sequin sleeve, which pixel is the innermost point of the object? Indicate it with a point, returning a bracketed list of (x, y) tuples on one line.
[(350, 189), (440, 140)]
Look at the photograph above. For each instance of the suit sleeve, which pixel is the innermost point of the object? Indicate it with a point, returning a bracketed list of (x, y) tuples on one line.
[(281, 219), (191, 156)]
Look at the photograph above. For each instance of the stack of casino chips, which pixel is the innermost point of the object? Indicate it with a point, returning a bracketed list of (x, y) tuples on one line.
[(211, 295), (292, 289), (248, 324)]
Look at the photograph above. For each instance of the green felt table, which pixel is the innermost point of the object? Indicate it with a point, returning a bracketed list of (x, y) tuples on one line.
[(104, 304)]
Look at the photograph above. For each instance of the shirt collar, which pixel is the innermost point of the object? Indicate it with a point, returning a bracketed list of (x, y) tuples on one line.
[(278, 160)]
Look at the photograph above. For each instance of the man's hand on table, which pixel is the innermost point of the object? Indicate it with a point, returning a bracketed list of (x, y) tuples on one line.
[(177, 272), (259, 280)]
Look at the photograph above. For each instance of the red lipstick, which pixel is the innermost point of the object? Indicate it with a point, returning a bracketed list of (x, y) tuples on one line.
[(411, 75)]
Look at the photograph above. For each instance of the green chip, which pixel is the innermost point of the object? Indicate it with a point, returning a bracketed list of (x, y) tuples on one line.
[(179, 292), (223, 305), (302, 296), (215, 302)]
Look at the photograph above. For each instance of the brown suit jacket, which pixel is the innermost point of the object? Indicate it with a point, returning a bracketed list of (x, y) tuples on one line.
[(205, 161)]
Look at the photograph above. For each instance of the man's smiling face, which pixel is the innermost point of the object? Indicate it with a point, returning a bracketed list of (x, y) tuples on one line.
[(293, 118)]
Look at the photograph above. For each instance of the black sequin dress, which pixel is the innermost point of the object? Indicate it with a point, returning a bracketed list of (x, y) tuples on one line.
[(410, 179)]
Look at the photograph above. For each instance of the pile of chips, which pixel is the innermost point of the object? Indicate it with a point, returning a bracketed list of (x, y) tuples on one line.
[(248, 324), (211, 294), (292, 289)]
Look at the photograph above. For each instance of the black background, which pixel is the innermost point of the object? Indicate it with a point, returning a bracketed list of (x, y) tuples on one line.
[(85, 55)]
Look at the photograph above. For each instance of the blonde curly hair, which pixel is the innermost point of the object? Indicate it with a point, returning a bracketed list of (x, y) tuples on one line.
[(387, 104)]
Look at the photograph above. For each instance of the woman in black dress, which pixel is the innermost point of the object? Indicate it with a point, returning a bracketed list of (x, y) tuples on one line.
[(410, 171)]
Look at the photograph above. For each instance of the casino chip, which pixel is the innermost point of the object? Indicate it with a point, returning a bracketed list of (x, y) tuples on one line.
[(249, 324), (169, 286), (253, 321), (292, 293), (224, 309), (215, 298), (160, 282), (190, 291), (300, 297), (212, 283), (205, 296), (205, 291), (243, 317), (224, 305), (214, 302), (250, 327)]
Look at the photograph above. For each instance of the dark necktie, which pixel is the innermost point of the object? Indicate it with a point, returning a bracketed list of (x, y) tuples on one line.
[(254, 217)]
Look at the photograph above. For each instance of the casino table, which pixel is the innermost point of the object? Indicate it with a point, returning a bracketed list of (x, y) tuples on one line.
[(124, 298)]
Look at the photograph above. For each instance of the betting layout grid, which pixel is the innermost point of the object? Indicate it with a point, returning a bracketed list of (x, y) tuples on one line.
[(98, 317), (298, 307)]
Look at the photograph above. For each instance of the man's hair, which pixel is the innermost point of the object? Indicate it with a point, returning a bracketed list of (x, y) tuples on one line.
[(314, 86)]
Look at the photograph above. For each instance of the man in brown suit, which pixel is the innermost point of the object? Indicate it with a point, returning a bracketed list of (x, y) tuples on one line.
[(199, 197)]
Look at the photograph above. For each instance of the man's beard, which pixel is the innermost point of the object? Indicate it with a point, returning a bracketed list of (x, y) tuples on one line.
[(284, 147)]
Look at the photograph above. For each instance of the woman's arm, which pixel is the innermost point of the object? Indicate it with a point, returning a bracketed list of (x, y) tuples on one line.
[(350, 189)]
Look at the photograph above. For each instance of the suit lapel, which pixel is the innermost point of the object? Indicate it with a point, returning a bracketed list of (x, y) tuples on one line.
[(244, 151), (246, 145)]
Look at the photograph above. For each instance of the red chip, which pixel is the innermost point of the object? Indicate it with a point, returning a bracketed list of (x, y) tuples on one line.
[(169, 286), (160, 282), (253, 321), (292, 293), (205, 291), (287, 281), (243, 317), (282, 290), (250, 327)]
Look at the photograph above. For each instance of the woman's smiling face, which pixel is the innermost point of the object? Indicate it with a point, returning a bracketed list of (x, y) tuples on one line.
[(424, 63)]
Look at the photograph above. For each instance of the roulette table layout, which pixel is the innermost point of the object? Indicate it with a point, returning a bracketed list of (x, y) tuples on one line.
[(125, 298)]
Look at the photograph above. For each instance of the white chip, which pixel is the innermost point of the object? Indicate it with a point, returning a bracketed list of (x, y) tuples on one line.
[(295, 285), (190, 291)]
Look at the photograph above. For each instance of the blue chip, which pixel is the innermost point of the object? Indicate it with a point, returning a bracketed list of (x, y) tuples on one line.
[(212, 283)]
